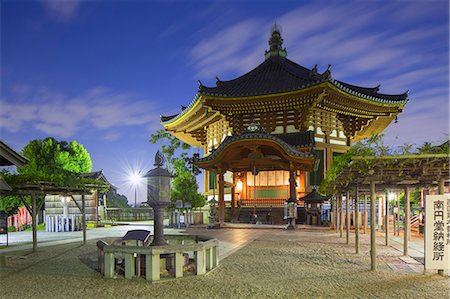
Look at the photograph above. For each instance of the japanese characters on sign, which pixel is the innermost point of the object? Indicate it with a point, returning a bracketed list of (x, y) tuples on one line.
[(437, 232)]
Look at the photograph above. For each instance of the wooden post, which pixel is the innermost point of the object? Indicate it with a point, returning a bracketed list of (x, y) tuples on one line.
[(365, 214), (221, 198), (83, 207), (356, 209), (335, 218), (406, 223), (386, 220), (33, 220), (347, 217), (373, 245), (398, 214), (341, 217)]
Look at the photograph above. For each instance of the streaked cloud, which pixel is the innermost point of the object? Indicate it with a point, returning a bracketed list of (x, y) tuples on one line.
[(62, 116), (61, 10), (398, 46)]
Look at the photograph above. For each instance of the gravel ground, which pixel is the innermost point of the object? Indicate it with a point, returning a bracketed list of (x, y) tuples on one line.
[(290, 265)]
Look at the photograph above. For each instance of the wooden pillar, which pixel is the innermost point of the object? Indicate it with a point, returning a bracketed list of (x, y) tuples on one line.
[(398, 213), (386, 219), (373, 244), (406, 222), (33, 220), (347, 217), (335, 218), (83, 207), (365, 214), (356, 209), (341, 217), (292, 182), (221, 198)]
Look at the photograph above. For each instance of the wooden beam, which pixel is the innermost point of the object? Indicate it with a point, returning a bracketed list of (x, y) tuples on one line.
[(77, 204)]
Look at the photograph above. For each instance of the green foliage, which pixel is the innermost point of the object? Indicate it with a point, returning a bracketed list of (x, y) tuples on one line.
[(51, 161), (10, 204), (374, 146), (184, 184), (50, 156), (115, 200), (427, 148)]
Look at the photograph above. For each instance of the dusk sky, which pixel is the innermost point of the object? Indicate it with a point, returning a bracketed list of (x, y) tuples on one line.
[(102, 72)]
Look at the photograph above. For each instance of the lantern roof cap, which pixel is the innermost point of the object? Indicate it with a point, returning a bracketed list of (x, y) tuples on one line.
[(155, 172)]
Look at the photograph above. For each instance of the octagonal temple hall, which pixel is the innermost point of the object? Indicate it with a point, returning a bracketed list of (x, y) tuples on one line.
[(271, 134)]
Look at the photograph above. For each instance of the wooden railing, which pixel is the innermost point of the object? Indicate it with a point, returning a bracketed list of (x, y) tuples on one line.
[(263, 202)]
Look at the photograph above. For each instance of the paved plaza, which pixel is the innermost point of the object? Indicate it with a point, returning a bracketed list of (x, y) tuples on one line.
[(254, 263)]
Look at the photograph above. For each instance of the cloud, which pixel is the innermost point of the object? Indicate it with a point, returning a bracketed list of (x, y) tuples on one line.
[(61, 10), (400, 47), (58, 115)]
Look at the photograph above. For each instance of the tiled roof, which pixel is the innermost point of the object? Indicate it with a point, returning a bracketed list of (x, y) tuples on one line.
[(275, 75), (290, 149)]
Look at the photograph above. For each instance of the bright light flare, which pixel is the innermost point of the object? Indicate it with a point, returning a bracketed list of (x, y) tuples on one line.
[(391, 196), (135, 178)]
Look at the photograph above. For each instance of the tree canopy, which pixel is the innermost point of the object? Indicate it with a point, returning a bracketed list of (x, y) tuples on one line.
[(57, 162), (49, 156), (184, 184)]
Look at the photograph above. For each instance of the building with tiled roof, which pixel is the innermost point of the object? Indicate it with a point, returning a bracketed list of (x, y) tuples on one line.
[(285, 103)]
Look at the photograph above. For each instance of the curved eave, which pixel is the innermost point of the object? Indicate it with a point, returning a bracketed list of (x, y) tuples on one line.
[(393, 100), (179, 117), (289, 153)]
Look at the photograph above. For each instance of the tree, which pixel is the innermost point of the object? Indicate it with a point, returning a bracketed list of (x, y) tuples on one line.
[(116, 200), (184, 184), (52, 161), (50, 156)]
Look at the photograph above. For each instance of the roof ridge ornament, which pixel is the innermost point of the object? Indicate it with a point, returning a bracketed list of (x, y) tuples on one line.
[(327, 74), (275, 43), (159, 159)]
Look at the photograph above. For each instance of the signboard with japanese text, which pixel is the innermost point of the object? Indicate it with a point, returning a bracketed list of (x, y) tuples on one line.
[(437, 232)]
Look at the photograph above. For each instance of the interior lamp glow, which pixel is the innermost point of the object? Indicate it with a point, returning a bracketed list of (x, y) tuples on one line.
[(239, 186)]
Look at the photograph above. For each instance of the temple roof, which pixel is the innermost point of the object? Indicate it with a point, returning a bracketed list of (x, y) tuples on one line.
[(278, 74), (307, 139)]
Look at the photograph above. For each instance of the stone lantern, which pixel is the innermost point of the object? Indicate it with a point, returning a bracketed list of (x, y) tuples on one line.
[(158, 196), (290, 212)]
